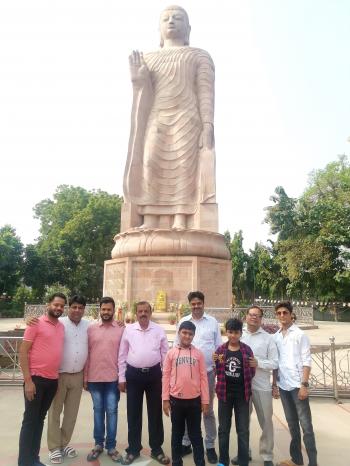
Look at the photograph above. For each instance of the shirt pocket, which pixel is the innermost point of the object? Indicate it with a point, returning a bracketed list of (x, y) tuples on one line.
[(155, 344), (207, 336)]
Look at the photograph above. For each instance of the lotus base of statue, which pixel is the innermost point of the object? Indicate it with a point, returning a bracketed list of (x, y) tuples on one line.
[(173, 242)]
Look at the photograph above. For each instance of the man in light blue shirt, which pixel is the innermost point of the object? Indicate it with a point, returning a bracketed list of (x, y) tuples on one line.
[(207, 338)]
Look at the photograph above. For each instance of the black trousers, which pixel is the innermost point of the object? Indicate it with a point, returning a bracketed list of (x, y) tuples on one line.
[(236, 402), (150, 383), (186, 411), (33, 420)]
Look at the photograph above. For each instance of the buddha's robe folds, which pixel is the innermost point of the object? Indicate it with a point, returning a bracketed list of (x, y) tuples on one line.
[(162, 175)]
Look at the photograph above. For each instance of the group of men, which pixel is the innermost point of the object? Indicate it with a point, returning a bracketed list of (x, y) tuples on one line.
[(61, 355)]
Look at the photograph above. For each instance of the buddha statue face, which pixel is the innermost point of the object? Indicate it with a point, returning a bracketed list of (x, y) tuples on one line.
[(174, 25)]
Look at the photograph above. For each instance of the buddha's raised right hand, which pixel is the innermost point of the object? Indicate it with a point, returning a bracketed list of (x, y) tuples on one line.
[(138, 69)]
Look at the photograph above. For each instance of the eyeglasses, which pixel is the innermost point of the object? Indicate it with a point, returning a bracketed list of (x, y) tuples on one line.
[(256, 316), (282, 313)]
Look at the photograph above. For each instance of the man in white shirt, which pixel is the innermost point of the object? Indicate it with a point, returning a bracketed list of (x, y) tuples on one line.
[(265, 361), (207, 338), (294, 358), (70, 382)]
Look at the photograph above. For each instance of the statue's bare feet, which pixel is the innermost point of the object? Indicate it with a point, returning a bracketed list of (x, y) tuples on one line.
[(179, 222), (150, 222)]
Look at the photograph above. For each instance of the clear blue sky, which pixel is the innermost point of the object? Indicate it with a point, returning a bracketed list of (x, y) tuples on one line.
[(282, 97)]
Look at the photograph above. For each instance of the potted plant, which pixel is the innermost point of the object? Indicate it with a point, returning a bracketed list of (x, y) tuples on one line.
[(129, 318), (172, 319)]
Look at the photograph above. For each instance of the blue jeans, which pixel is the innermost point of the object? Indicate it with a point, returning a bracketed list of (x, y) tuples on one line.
[(105, 398), (298, 412)]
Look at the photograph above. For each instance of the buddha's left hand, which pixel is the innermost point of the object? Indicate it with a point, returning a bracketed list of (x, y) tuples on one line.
[(206, 139)]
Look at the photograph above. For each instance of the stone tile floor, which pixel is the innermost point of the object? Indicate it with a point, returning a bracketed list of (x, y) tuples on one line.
[(331, 423)]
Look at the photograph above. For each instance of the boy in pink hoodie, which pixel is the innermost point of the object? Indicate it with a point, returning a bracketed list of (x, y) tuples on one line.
[(185, 394)]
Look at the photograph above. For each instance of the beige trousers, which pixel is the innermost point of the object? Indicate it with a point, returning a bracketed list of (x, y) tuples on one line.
[(209, 419), (262, 402), (67, 399)]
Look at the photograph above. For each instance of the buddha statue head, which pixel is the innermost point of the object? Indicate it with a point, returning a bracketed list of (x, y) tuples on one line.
[(174, 26)]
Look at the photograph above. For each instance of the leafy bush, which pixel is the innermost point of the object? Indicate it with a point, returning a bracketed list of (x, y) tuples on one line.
[(24, 294), (11, 309), (55, 288)]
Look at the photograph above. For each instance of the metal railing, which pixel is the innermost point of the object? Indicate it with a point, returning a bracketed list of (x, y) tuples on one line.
[(10, 371), (91, 310), (330, 375), (221, 314), (305, 315)]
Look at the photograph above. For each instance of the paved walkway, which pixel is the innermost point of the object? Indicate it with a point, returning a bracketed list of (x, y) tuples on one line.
[(331, 423)]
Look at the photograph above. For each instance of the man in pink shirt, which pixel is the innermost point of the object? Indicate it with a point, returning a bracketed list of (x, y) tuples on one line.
[(101, 379), (40, 357), (142, 352)]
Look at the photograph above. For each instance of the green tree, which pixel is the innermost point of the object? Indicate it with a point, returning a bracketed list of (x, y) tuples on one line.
[(35, 269), (313, 244), (260, 271), (24, 294), (282, 216), (55, 288), (325, 205), (324, 214), (11, 257), (239, 267), (309, 265), (227, 239), (76, 236)]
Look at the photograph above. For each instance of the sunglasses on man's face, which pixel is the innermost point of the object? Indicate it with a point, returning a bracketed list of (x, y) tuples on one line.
[(282, 313)]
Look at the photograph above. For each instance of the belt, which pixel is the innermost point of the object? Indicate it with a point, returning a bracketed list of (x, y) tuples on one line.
[(144, 370)]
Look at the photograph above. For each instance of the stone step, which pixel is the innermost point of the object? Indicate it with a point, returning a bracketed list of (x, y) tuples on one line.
[(161, 318), (161, 321)]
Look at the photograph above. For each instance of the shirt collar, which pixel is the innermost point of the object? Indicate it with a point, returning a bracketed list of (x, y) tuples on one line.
[(290, 329), (241, 345), (204, 316), (71, 322), (260, 330), (113, 323), (138, 326), (46, 319)]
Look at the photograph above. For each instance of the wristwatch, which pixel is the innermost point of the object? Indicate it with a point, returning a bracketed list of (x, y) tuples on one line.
[(305, 384)]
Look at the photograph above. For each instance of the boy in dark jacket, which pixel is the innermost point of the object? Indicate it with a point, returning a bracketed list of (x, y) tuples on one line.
[(234, 372)]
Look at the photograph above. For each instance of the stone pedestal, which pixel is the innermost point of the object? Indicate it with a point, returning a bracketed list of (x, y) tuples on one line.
[(169, 242), (176, 261), (141, 277)]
